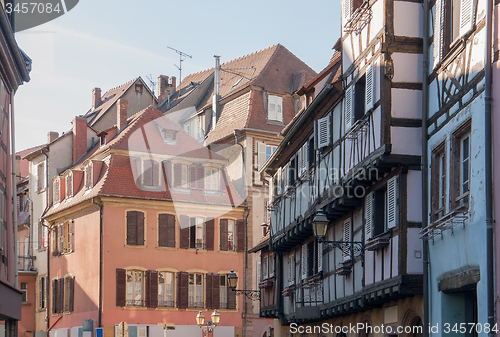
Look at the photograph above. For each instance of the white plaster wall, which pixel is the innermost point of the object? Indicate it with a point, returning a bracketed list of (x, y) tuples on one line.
[(406, 140), (377, 22), (433, 98), (414, 196), (406, 103), (408, 18), (478, 48), (347, 55), (414, 244), (407, 67), (395, 255)]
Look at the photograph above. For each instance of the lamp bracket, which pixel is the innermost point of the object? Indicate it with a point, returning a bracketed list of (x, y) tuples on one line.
[(353, 248), (254, 295)]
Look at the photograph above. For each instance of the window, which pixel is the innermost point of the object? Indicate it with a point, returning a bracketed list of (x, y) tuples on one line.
[(40, 177), (227, 295), (460, 166), (63, 293), (169, 136), (150, 173), (42, 292), (41, 235), (196, 233), (275, 108), (22, 202), (24, 292), (211, 179), (264, 152), (166, 230), (135, 288), (63, 238), (453, 20), (291, 269), (269, 151), (350, 7), (198, 129), (187, 127), (227, 235), (166, 283), (359, 99), (88, 176), (438, 182), (381, 209), (181, 176), (135, 228), (69, 185), (195, 291)]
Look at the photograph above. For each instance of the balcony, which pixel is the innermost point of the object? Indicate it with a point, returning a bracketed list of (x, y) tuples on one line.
[(26, 263)]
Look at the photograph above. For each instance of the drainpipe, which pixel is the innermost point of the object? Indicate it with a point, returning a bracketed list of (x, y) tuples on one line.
[(425, 168), (247, 210), (14, 187), (101, 249), (488, 180), (32, 250)]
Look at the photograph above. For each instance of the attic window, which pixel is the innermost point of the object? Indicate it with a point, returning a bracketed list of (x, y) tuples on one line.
[(237, 82), (138, 88), (103, 139), (169, 136)]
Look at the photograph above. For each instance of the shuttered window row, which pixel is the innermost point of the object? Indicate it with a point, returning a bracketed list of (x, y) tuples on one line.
[(63, 295), (182, 290)]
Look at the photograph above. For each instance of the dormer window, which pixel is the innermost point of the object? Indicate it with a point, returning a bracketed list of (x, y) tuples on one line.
[(69, 185), (275, 108), (180, 175), (150, 173), (58, 189), (169, 136), (88, 176), (138, 88), (212, 179)]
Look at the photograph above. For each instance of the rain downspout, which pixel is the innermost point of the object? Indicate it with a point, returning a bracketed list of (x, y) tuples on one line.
[(425, 166), (488, 180), (14, 188), (101, 249)]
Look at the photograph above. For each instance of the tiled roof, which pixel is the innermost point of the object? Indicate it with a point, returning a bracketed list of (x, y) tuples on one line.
[(144, 134)]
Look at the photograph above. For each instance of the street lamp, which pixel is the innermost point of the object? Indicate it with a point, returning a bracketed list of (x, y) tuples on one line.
[(320, 224), (209, 326), (232, 282)]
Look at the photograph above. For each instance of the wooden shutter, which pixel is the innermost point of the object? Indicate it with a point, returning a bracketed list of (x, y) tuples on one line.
[(303, 261), (467, 16), (348, 102), (210, 233), (184, 231), (155, 167), (69, 185), (53, 240), (177, 175), (167, 166), (71, 241), (151, 288), (131, 228), (147, 172), (71, 295), (200, 177), (170, 230), (439, 31), (54, 296), (60, 239), (240, 235), (56, 188), (368, 215), (324, 131), (147, 290), (320, 257), (231, 299), (223, 180), (369, 88), (216, 291), (88, 176), (192, 176), (392, 199), (208, 291), (347, 238), (60, 295), (286, 176), (140, 228), (223, 234), (121, 284), (182, 289), (261, 154), (162, 230)]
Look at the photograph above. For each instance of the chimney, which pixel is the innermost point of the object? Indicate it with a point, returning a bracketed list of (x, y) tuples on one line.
[(51, 136), (121, 114), (79, 137), (172, 83), (96, 97), (162, 85)]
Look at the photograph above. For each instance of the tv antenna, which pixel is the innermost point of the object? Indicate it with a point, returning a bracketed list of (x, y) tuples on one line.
[(152, 85), (181, 55)]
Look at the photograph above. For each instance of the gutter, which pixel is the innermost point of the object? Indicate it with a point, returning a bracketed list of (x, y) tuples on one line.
[(425, 167), (488, 180), (14, 186), (101, 249)]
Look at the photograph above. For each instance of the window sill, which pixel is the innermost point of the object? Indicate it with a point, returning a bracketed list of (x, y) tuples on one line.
[(166, 248), (232, 252), (273, 122), (131, 307), (455, 49), (136, 246), (166, 308), (344, 268), (266, 283), (378, 242), (196, 250), (181, 190)]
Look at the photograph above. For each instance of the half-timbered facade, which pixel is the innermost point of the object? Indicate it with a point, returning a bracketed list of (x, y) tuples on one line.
[(456, 233), (354, 155)]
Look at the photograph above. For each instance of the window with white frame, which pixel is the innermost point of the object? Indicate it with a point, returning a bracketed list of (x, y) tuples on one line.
[(198, 129), (24, 292), (166, 283), (464, 168), (211, 179), (135, 288), (195, 291), (187, 127), (150, 173), (275, 108), (196, 233), (223, 291)]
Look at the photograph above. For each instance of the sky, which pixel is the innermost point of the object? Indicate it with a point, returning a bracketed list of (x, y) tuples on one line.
[(108, 43)]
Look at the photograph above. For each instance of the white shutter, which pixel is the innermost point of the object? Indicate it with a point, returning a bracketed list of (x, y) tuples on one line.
[(320, 256), (271, 108), (291, 267), (347, 238), (466, 16), (368, 215), (347, 9), (392, 199), (261, 154), (286, 176), (305, 150), (71, 242), (324, 131), (279, 109), (369, 88), (299, 162), (35, 235), (278, 180), (438, 32), (265, 268), (45, 237), (348, 108), (303, 261)]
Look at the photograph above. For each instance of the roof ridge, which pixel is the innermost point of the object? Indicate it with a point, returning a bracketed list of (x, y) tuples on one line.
[(268, 61), (253, 53), (121, 85)]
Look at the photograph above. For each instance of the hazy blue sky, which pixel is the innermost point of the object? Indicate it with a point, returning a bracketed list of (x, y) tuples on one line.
[(107, 43)]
